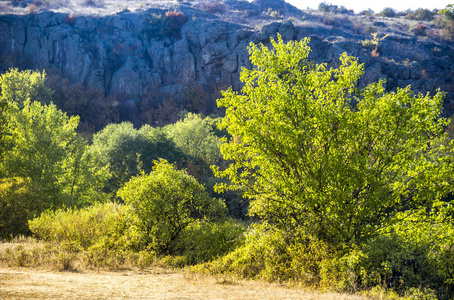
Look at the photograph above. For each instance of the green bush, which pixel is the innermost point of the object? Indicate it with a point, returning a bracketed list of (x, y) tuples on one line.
[(80, 228), (330, 8), (205, 241), (20, 201), (412, 259), (274, 255), (448, 12), (421, 14), (165, 202), (388, 12), (415, 258)]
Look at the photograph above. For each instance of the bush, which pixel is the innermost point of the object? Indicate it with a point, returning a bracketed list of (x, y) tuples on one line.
[(165, 202), (388, 12), (81, 228), (448, 12), (214, 7), (419, 29), (369, 12), (274, 13), (274, 255), (205, 241), (421, 14), (370, 29), (330, 8), (20, 201), (415, 258), (175, 21)]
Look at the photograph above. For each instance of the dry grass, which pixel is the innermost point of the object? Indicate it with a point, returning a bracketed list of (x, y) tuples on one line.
[(30, 269), (149, 284)]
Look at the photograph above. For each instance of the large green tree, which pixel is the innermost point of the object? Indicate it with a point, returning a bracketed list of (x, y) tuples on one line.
[(16, 87), (319, 157), (44, 164), (46, 149)]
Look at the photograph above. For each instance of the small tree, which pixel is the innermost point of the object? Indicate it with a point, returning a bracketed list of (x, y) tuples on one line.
[(165, 202), (317, 156)]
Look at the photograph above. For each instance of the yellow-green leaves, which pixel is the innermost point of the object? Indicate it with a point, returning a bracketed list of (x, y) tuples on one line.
[(165, 202), (314, 153), (45, 147), (19, 87)]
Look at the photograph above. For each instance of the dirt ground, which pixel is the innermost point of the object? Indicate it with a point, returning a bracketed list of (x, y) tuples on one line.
[(28, 283)]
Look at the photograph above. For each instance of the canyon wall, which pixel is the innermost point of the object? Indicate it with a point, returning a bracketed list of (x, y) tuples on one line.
[(130, 54)]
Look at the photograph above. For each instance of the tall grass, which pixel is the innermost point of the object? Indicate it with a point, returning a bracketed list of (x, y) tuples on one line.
[(81, 228)]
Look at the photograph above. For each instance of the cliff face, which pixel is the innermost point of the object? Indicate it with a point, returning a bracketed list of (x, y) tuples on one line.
[(123, 54), (130, 54)]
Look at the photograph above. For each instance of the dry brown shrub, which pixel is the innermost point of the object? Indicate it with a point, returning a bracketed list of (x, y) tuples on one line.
[(70, 19), (175, 21)]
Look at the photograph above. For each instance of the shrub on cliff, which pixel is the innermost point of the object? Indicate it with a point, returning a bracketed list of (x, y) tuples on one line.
[(214, 7), (175, 21), (421, 14), (448, 12), (388, 12)]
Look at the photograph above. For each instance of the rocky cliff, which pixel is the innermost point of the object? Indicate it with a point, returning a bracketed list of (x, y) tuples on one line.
[(132, 53)]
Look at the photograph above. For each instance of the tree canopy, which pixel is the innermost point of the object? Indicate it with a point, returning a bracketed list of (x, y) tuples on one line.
[(195, 136), (316, 155), (46, 148), (128, 151)]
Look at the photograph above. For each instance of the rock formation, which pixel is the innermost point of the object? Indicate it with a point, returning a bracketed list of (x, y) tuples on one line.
[(130, 54)]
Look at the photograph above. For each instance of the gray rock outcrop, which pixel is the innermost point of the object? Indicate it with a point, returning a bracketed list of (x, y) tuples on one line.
[(128, 54)]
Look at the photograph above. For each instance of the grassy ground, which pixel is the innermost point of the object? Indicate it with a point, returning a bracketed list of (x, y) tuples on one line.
[(30, 269), (26, 283)]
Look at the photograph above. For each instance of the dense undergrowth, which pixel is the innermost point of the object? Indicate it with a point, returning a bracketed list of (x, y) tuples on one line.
[(413, 262)]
